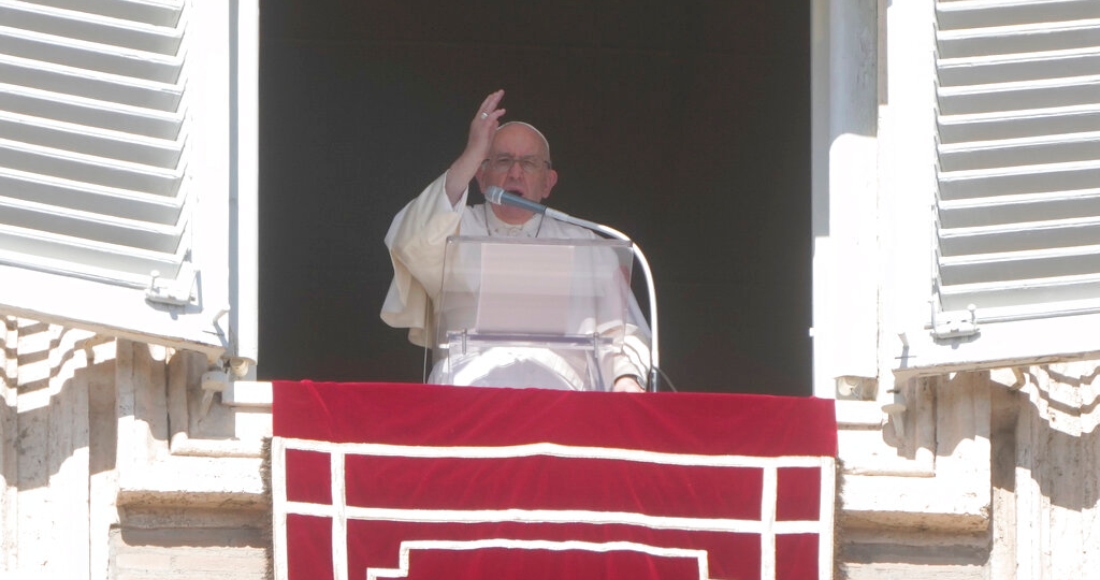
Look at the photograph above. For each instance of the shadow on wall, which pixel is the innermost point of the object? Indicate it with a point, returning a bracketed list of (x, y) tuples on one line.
[(1048, 416)]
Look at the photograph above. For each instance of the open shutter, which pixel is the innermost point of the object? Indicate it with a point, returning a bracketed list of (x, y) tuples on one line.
[(1015, 187), (1018, 225), (115, 156)]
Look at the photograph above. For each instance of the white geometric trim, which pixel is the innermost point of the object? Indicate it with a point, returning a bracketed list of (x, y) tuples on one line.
[(769, 494), (767, 527), (279, 508), (827, 519), (339, 516), (407, 547), (553, 450), (557, 517)]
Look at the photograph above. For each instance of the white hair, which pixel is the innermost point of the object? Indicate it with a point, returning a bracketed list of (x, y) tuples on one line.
[(545, 142)]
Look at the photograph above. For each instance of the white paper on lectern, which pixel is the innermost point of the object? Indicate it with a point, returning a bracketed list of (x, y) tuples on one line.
[(525, 289)]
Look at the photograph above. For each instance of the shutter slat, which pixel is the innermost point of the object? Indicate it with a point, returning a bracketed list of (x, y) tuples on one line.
[(91, 141), (1010, 209), (1020, 236), (1026, 297), (962, 14), (153, 12), (1018, 124), (89, 169), (79, 270), (1018, 214), (87, 27), (79, 196), (1015, 68), (90, 84), (1017, 96), (1023, 265), (1023, 151), (25, 246), (92, 226), (1047, 178), (98, 114), (1018, 39), (59, 50)]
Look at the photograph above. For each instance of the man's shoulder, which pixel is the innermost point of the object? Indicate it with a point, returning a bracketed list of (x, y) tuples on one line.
[(559, 229)]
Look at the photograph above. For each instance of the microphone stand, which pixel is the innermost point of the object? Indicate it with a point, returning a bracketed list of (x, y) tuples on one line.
[(654, 353)]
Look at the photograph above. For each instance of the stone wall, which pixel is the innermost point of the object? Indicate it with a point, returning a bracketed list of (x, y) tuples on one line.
[(111, 469), (116, 464), (993, 475)]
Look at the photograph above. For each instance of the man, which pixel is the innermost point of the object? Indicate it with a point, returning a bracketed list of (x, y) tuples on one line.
[(514, 156)]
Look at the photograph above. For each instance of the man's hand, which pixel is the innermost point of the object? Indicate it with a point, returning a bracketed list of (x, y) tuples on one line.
[(627, 384), (483, 126), (480, 140)]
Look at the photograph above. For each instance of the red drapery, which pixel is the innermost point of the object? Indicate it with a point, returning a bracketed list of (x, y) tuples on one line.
[(422, 481)]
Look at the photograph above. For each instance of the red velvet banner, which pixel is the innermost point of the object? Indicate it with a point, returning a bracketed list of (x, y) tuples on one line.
[(421, 481)]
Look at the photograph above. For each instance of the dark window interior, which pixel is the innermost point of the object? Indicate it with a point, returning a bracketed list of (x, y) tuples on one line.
[(685, 124)]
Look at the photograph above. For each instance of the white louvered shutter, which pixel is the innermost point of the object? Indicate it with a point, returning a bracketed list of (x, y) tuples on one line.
[(115, 157), (1015, 226), (1019, 156), (1016, 219)]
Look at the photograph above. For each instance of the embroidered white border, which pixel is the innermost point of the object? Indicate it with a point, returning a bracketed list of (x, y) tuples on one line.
[(700, 556), (556, 517), (552, 450), (766, 526)]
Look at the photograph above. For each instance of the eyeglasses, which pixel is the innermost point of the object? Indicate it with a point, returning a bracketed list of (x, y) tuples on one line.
[(529, 164)]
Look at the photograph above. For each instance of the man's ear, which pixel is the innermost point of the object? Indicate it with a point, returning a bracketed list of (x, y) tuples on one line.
[(551, 181)]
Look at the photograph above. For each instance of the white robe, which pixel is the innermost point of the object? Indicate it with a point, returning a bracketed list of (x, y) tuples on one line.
[(417, 242)]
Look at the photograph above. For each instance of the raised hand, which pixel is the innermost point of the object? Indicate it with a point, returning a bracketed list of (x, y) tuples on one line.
[(483, 125), (480, 140)]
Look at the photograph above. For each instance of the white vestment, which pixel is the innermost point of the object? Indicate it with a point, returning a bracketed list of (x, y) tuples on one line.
[(417, 243)]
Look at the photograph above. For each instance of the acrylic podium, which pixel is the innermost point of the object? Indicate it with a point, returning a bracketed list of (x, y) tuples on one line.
[(531, 313)]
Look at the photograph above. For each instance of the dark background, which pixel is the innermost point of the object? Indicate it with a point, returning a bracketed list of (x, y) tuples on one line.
[(684, 123)]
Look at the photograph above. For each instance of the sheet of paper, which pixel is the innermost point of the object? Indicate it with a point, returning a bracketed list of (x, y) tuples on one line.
[(525, 288)]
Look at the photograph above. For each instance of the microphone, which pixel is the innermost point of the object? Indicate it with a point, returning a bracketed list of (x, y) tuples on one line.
[(498, 196)]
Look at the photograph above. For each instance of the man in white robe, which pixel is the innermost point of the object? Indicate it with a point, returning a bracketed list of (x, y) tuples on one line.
[(514, 156)]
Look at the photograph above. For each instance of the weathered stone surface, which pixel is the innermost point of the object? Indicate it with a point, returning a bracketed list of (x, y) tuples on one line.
[(90, 483), (1012, 492), (110, 470)]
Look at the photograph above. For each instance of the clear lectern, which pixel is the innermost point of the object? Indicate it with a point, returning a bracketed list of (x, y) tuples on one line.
[(532, 313)]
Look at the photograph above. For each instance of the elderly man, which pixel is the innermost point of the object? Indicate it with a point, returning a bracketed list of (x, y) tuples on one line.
[(514, 156)]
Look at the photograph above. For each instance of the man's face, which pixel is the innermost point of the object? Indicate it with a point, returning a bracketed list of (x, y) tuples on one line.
[(518, 163)]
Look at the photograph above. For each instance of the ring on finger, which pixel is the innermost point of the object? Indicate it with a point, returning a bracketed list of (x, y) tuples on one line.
[(485, 115)]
